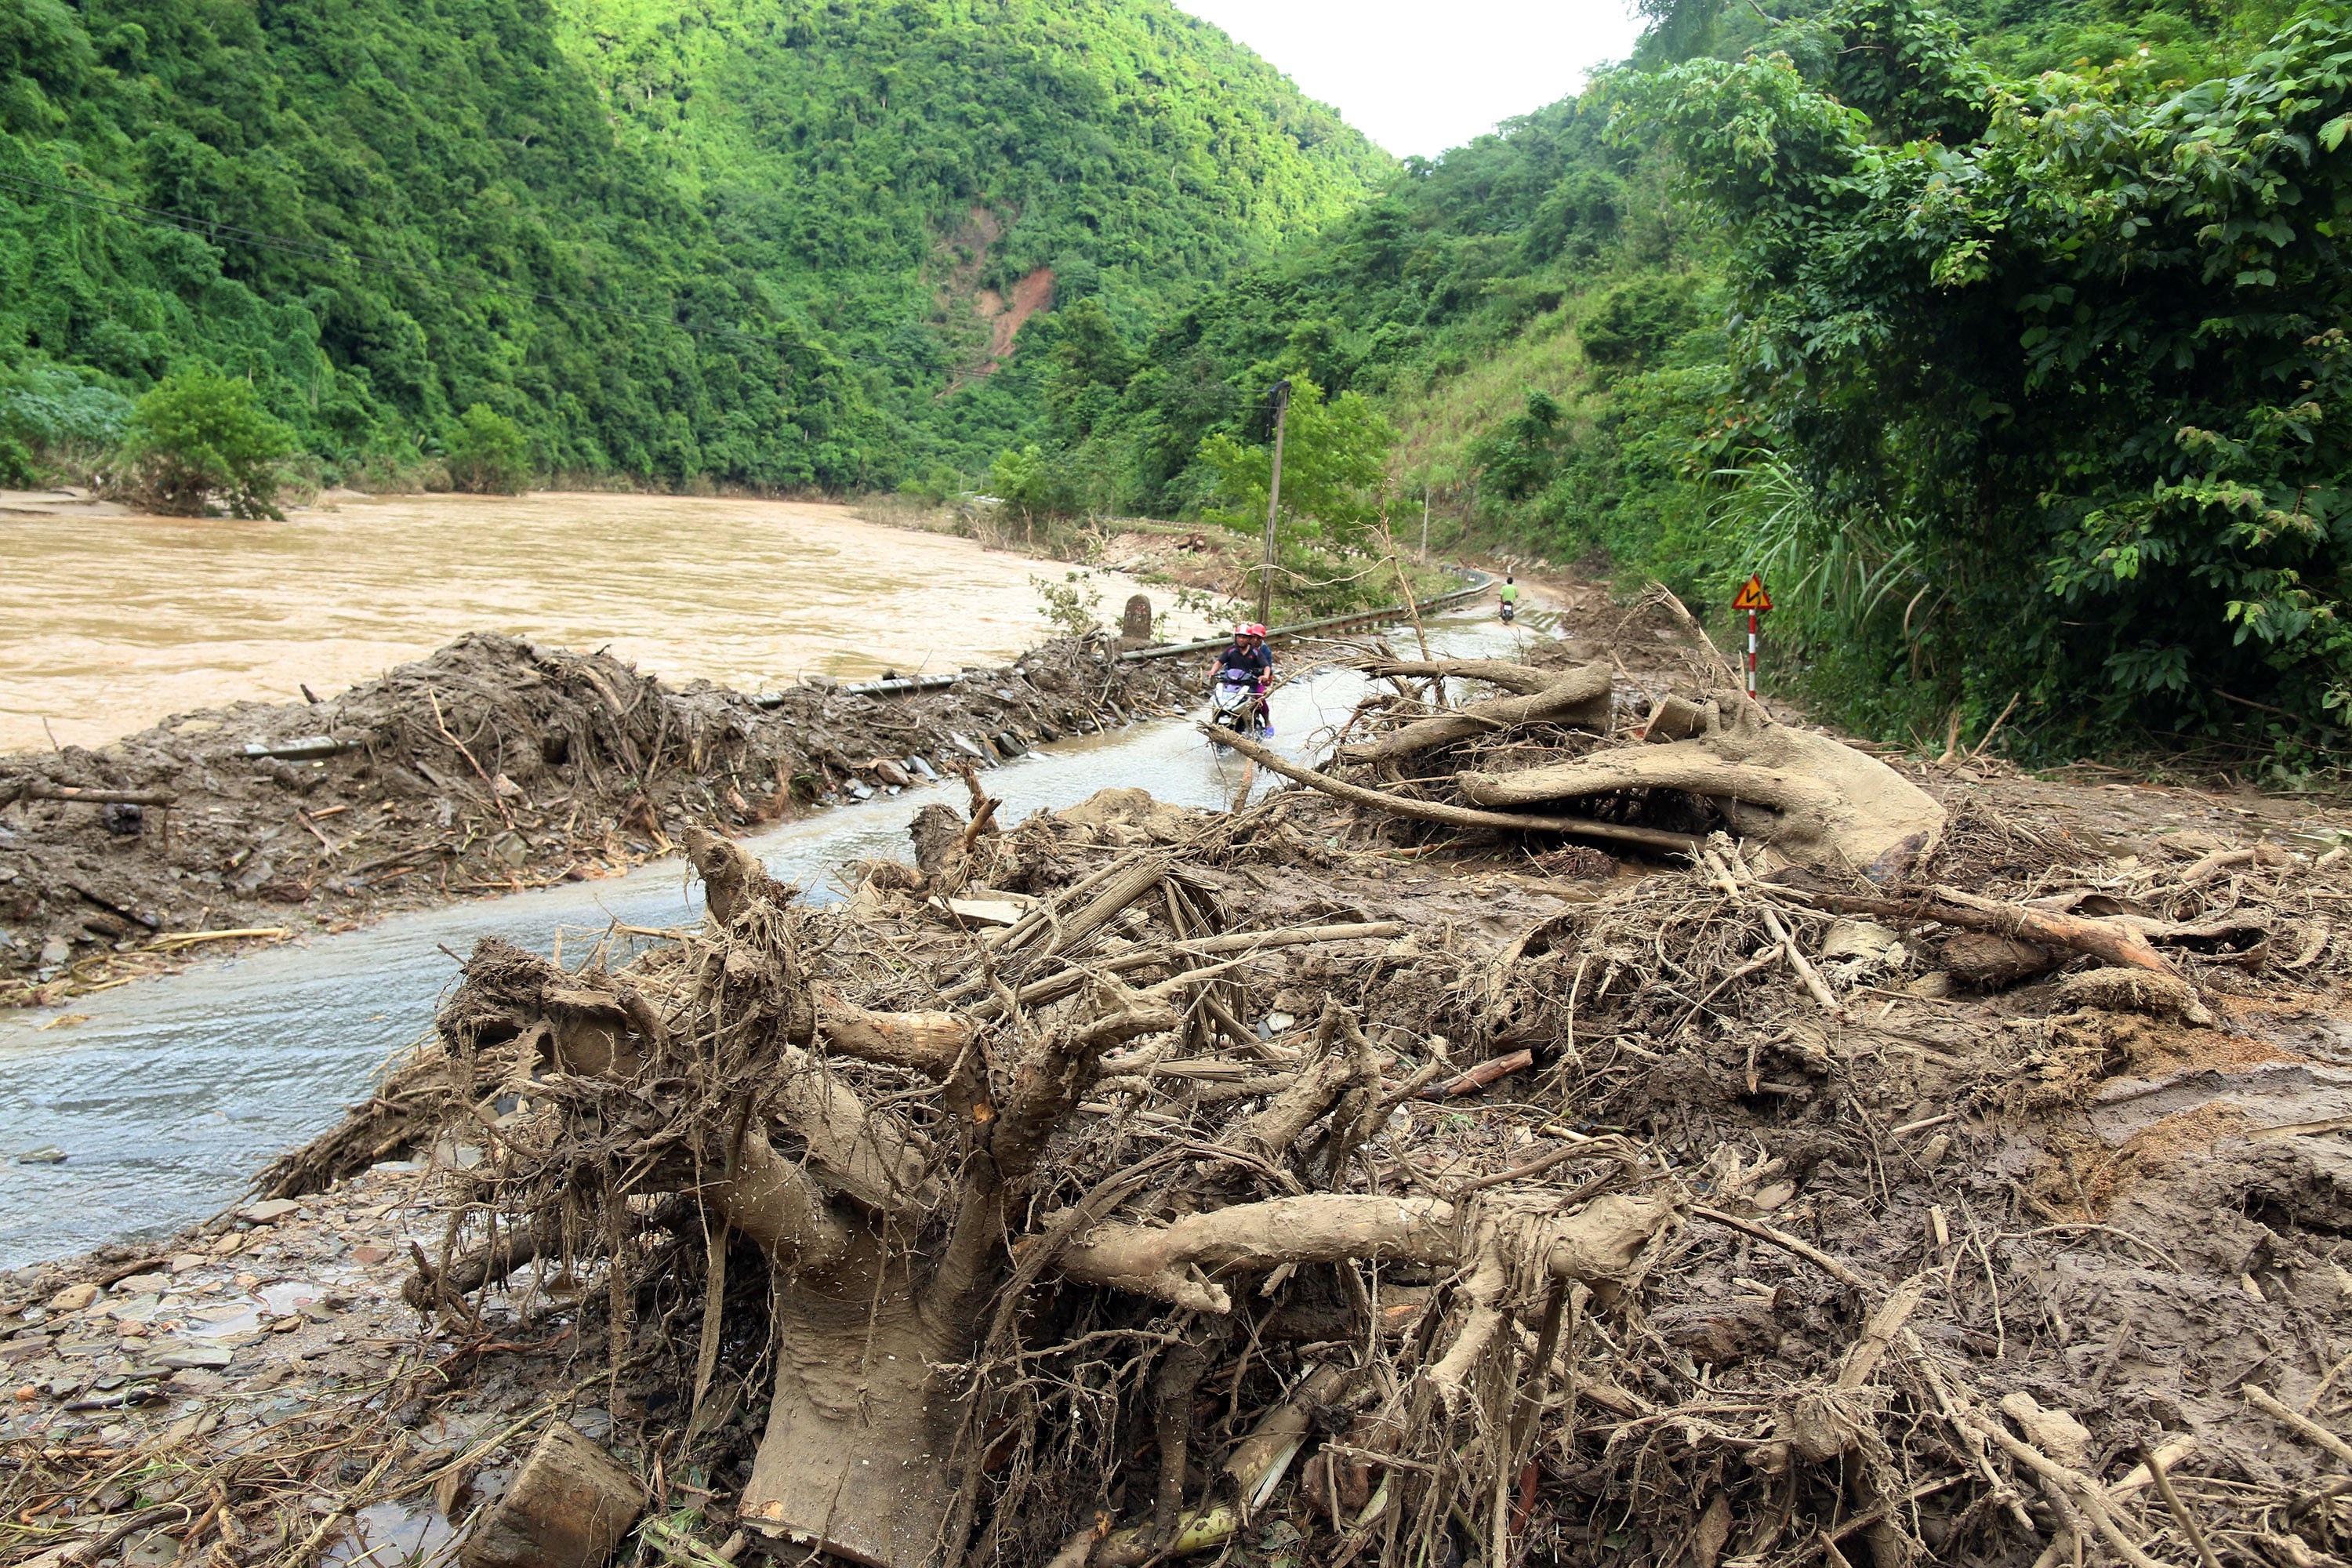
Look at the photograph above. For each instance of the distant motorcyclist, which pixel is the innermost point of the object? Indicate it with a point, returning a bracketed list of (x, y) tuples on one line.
[(1247, 661), (1509, 594)]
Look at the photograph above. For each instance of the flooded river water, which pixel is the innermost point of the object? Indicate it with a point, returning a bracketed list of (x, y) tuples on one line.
[(121, 619), (174, 1091)]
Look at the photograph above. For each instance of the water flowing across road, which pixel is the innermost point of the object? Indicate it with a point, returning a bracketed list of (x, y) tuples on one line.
[(174, 1091)]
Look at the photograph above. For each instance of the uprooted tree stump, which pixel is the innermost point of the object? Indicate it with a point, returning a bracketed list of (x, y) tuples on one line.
[(570, 1506), (937, 1216), (1816, 800)]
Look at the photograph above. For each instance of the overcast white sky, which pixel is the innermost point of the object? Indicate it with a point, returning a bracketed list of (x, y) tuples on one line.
[(1419, 77)]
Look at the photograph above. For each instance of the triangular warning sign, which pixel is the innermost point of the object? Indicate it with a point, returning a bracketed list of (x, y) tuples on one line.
[(1752, 595)]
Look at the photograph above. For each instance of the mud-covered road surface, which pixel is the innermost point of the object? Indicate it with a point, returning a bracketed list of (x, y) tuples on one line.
[(1932, 1243)]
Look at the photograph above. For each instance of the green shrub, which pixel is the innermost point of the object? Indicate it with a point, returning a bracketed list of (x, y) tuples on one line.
[(487, 453), (1519, 456), (1633, 322), (1034, 484), (200, 437), (58, 420), (936, 486), (17, 470), (1073, 606)]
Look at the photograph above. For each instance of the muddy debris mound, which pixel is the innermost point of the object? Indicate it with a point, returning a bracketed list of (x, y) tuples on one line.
[(493, 765), (1548, 743), (1330, 1181), (1136, 1184)]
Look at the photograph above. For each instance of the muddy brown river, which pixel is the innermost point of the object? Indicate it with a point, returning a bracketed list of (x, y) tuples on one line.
[(119, 619)]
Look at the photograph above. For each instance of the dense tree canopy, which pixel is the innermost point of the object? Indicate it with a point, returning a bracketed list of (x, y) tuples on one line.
[(2075, 343), (735, 242)]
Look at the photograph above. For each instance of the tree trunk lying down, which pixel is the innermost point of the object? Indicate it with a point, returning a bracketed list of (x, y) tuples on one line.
[(928, 1042), (1168, 1261), (1524, 678), (2111, 940), (898, 1263), (1578, 696), (1438, 811), (1819, 802)]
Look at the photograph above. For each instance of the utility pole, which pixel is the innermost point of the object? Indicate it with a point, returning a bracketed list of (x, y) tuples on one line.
[(1280, 398)]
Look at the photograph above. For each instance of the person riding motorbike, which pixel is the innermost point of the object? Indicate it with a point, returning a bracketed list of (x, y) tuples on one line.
[(1247, 661), (1509, 594)]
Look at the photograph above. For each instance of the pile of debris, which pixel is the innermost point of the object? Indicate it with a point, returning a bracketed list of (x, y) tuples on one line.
[(491, 765), (1551, 732), (1329, 1184)]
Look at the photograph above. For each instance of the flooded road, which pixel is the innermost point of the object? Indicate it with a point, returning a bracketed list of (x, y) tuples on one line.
[(175, 1091), (135, 617)]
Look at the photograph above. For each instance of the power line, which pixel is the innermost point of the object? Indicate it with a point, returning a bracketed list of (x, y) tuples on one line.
[(160, 217)]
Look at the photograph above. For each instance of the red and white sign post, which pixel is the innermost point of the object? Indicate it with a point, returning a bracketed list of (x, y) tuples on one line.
[(1753, 599)]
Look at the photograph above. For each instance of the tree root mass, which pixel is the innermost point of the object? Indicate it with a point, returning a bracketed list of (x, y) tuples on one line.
[(1313, 1184)]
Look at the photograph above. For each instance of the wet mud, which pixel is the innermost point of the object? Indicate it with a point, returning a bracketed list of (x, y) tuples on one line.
[(1752, 1229)]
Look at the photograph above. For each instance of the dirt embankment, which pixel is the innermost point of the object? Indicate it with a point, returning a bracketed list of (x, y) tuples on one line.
[(1345, 1180), (490, 767)]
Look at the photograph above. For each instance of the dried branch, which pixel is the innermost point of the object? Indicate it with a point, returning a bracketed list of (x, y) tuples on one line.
[(1457, 815), (1579, 698)]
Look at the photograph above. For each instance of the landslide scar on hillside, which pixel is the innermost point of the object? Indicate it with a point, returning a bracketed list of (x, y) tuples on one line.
[(965, 250)]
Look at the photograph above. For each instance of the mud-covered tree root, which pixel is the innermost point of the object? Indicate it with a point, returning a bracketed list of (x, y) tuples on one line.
[(1819, 802), (903, 1229), (1447, 815), (1576, 697)]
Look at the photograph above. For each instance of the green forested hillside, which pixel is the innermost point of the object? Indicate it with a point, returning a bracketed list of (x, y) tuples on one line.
[(405, 209), (737, 242), (2054, 369), (2009, 343), (2008, 339), (894, 172)]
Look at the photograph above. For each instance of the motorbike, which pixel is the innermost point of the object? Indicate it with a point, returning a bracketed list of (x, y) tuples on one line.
[(1510, 612), (1235, 706)]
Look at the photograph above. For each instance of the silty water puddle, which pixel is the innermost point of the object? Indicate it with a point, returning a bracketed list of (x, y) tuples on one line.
[(169, 1098)]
